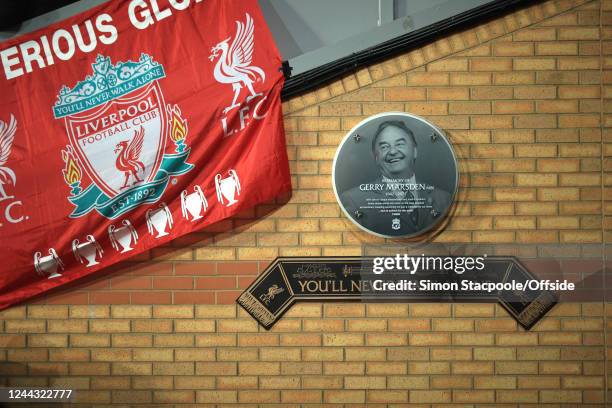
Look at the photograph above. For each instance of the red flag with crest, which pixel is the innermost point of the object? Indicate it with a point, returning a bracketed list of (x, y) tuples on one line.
[(129, 125)]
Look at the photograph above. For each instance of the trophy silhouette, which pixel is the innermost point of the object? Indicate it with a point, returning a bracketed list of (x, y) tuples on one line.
[(193, 203), (89, 250), (48, 264), (227, 188), (123, 236), (158, 219)]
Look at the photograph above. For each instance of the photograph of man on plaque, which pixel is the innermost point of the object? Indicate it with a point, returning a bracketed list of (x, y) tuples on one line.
[(402, 194)]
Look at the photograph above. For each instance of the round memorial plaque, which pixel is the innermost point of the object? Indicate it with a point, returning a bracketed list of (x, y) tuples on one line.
[(395, 175)]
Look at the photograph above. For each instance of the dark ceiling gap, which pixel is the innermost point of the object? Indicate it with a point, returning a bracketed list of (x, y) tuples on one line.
[(312, 79)]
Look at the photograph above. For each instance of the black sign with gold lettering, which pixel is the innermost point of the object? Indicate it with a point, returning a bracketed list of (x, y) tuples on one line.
[(500, 279)]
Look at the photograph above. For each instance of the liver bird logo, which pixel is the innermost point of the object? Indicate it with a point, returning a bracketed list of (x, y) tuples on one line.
[(128, 157), (7, 135), (234, 62)]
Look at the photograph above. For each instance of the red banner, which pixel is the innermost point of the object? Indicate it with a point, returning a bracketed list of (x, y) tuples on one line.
[(130, 125)]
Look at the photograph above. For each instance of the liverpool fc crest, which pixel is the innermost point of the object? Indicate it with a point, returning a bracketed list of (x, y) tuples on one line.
[(120, 129)]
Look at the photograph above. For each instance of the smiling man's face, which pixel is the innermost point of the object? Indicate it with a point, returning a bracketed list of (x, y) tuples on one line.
[(394, 153)]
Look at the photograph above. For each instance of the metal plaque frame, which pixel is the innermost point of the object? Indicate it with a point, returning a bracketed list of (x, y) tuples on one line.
[(436, 136)]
